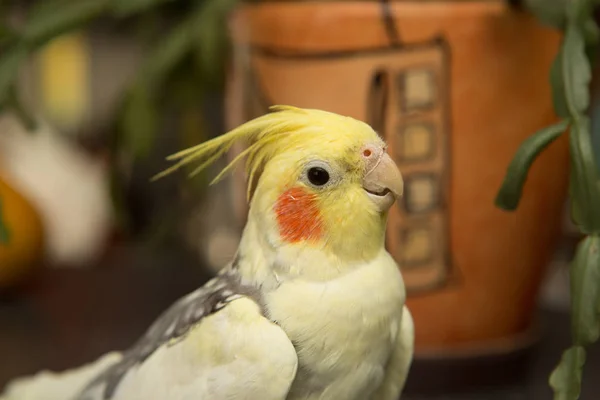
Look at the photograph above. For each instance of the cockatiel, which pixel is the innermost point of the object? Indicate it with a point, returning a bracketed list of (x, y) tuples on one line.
[(311, 307)]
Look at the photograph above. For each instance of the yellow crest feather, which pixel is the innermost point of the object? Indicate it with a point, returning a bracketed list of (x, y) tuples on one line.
[(261, 134)]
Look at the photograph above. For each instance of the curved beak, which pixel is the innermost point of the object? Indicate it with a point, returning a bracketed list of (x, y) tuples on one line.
[(384, 183)]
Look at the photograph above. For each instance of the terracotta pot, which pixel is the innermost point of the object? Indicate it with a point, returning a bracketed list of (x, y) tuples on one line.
[(454, 87)]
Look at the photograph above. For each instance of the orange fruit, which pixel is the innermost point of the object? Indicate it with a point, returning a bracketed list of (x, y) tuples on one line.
[(25, 247)]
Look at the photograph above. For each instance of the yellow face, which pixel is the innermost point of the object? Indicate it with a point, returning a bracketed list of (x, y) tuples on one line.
[(334, 196)]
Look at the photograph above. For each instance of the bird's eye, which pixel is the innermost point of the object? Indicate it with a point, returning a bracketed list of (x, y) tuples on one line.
[(318, 176)]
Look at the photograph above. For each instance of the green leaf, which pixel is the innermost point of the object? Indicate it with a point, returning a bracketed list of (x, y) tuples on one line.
[(576, 70), (552, 13), (139, 124), (167, 54), (211, 35), (591, 32), (510, 192), (565, 380), (7, 35), (570, 73), (14, 104), (576, 212), (46, 24), (9, 68), (4, 232), (558, 87), (585, 292), (39, 9), (578, 11), (123, 8), (584, 188), (117, 195)]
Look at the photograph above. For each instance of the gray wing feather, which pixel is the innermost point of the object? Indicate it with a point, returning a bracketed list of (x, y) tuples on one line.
[(172, 326)]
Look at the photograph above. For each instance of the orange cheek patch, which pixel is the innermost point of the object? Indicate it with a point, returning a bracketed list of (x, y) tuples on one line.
[(298, 216)]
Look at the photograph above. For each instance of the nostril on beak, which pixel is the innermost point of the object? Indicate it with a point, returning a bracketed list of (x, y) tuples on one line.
[(371, 155), (369, 151)]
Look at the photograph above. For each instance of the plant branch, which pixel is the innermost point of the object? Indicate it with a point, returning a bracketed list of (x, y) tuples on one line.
[(570, 78)]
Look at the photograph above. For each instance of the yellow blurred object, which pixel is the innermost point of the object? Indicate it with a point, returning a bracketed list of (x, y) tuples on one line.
[(26, 244), (65, 78)]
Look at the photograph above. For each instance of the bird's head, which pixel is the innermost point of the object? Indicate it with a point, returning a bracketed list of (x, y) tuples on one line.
[(316, 180)]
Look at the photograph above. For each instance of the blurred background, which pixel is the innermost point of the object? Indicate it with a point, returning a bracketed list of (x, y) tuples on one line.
[(95, 94)]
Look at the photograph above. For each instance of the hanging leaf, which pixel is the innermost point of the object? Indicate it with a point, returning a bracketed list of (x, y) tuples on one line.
[(118, 199), (46, 25), (591, 32), (576, 71), (584, 176), (40, 9), (167, 54), (585, 292), (193, 130), (211, 37), (4, 232), (565, 380), (13, 102), (9, 67), (139, 123), (558, 87), (510, 192), (7, 35), (580, 10), (552, 13), (576, 78), (575, 209), (124, 8), (570, 78)]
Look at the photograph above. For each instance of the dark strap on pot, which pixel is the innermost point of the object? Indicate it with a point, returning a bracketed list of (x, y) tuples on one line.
[(390, 24)]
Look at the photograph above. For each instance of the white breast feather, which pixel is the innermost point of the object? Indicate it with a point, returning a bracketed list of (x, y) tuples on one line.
[(344, 330)]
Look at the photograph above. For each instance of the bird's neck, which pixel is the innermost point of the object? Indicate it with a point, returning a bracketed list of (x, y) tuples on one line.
[(266, 263)]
